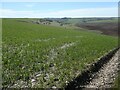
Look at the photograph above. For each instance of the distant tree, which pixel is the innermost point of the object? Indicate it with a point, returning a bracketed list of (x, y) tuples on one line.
[(61, 24), (37, 22), (84, 21), (64, 18)]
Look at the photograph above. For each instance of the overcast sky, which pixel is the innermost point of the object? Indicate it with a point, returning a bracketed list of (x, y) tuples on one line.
[(58, 9)]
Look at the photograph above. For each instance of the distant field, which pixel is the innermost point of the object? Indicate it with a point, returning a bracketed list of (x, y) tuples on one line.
[(105, 27), (85, 20), (42, 56)]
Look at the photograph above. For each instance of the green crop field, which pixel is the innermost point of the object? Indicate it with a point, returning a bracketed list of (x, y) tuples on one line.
[(44, 56), (117, 82)]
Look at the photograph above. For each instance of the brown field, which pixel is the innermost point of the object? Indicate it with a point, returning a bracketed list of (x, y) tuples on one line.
[(108, 28)]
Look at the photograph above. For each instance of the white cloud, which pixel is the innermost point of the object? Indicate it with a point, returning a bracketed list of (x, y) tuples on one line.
[(87, 12)]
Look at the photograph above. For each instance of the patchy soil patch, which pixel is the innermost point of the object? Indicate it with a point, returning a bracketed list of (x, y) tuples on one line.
[(52, 55)]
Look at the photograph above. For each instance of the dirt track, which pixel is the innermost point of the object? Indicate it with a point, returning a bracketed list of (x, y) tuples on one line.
[(100, 74), (106, 75)]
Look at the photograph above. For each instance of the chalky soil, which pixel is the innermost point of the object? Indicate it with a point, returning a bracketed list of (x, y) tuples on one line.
[(106, 75)]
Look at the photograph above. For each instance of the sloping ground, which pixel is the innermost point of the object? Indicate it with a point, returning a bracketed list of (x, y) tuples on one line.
[(52, 55), (107, 28)]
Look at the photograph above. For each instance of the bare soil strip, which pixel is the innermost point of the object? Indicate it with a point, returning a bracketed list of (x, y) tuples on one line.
[(100, 74), (106, 76)]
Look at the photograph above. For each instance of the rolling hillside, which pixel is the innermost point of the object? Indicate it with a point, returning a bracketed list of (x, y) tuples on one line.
[(42, 56)]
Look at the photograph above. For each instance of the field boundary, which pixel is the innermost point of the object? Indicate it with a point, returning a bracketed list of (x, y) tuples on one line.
[(87, 75)]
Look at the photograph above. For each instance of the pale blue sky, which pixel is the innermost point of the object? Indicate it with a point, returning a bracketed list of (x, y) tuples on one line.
[(45, 6), (59, 9)]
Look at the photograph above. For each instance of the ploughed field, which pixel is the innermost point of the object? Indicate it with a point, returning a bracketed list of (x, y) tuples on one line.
[(107, 28), (44, 56)]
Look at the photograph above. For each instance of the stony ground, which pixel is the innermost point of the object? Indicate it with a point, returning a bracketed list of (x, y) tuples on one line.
[(106, 76)]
